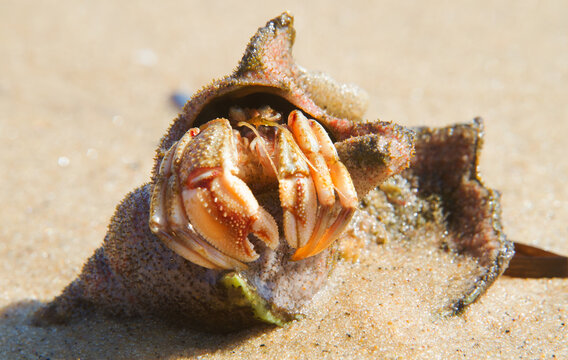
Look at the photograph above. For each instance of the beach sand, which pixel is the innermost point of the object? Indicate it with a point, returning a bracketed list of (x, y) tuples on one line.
[(84, 100)]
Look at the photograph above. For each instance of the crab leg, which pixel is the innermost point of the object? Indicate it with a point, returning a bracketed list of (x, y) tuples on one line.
[(343, 185), (329, 175), (304, 137), (296, 189), (339, 174)]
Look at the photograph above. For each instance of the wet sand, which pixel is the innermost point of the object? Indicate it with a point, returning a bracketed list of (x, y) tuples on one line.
[(84, 99)]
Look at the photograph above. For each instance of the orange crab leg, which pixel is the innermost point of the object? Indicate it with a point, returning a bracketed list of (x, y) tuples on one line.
[(296, 189), (329, 175)]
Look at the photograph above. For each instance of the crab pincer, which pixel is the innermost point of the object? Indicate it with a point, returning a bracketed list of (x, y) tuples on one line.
[(200, 206)]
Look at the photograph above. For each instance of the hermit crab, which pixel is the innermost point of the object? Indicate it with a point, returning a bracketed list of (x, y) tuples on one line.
[(255, 181)]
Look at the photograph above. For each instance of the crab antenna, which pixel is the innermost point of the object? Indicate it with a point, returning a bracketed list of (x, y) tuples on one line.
[(262, 144)]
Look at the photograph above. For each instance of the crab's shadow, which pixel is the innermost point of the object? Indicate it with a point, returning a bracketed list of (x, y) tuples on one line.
[(98, 337)]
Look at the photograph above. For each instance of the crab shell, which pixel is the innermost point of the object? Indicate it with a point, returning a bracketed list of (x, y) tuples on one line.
[(135, 274)]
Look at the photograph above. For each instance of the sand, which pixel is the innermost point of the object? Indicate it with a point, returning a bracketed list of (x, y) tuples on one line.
[(84, 99)]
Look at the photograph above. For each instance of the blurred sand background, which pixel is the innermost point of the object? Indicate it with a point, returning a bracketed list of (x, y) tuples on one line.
[(84, 99)]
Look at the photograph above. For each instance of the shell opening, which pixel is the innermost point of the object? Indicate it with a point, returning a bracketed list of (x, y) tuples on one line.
[(248, 97)]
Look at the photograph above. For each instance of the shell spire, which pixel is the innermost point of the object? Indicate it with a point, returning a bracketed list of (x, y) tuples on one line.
[(270, 48)]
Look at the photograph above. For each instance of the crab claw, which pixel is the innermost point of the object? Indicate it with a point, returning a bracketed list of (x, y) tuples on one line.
[(223, 209), (201, 209)]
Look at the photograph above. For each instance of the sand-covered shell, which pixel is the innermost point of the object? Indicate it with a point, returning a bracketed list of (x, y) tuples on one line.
[(441, 195), (135, 274)]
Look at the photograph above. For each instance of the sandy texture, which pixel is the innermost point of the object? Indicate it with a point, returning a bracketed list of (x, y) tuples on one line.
[(84, 100)]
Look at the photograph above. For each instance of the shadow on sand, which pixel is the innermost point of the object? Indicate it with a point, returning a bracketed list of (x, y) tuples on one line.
[(98, 337)]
